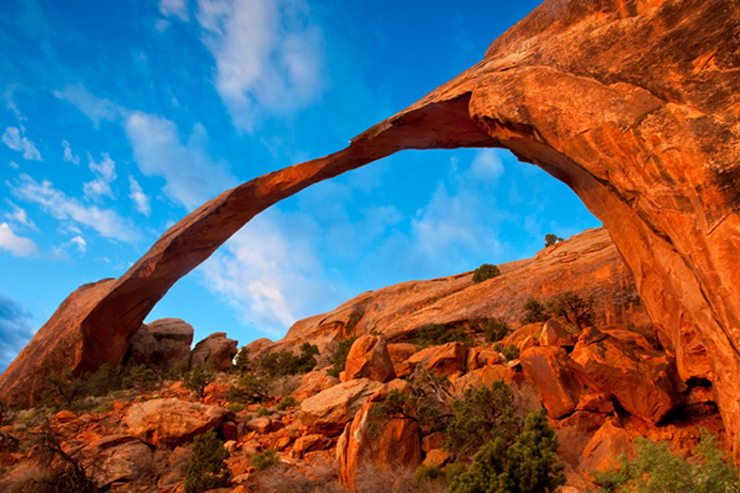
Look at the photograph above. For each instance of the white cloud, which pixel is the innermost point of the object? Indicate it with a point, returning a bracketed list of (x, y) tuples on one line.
[(13, 139), (17, 245), (139, 197), (105, 221), (487, 165), (68, 156), (19, 215), (268, 53), (177, 8), (269, 272), (95, 108), (106, 173), (80, 242), (161, 25), (13, 165), (193, 177), (10, 103)]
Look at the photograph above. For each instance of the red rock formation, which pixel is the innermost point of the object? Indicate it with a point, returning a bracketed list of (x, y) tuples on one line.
[(549, 368), (369, 358), (217, 348), (635, 106)]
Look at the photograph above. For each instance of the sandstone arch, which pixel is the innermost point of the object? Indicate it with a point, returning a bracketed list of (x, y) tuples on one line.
[(634, 104)]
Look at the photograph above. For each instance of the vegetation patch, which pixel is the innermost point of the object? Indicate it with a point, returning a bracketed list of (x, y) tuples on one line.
[(339, 358), (438, 334), (485, 272), (207, 470)]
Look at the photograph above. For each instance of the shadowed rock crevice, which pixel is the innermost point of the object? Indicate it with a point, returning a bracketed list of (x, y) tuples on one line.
[(634, 105)]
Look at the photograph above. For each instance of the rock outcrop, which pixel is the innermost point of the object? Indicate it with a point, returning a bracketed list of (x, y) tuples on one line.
[(217, 348), (161, 344), (369, 358), (329, 411), (635, 106)]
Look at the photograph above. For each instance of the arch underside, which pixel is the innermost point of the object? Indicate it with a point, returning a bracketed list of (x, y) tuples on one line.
[(608, 99)]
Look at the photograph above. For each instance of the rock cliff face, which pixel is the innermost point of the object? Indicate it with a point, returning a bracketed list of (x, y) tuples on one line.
[(634, 105)]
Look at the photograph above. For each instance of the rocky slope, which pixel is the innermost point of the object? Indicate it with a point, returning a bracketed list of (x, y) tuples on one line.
[(601, 385), (633, 105)]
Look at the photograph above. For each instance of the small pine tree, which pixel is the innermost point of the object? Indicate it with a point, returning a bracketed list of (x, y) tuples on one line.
[(207, 469), (198, 378), (551, 239), (141, 379), (340, 357), (485, 272), (535, 312), (495, 330)]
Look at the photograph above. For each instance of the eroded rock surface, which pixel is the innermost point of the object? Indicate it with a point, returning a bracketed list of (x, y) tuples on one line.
[(635, 106)]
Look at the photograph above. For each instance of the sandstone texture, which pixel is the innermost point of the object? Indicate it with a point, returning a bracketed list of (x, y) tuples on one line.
[(634, 105), (172, 422), (329, 411), (549, 368), (161, 344), (217, 348), (369, 358)]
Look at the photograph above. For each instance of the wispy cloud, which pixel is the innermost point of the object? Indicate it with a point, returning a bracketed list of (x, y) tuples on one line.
[(19, 215), (68, 156), (12, 138), (105, 172), (105, 221), (178, 8), (96, 109), (192, 175), (80, 242), (14, 330), (13, 165), (161, 25), (17, 245), (280, 71), (270, 272), (141, 200)]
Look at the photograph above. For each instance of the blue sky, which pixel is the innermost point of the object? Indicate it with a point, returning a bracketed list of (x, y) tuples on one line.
[(118, 118)]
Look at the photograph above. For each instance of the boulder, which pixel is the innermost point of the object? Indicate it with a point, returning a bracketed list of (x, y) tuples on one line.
[(478, 357), (447, 359), (172, 422), (383, 443), (633, 106), (401, 351), (161, 344), (217, 348), (604, 448), (369, 358), (329, 411), (554, 334), (641, 380), (115, 458), (312, 383), (549, 368)]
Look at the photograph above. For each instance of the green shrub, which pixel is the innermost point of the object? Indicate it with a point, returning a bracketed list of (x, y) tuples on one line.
[(141, 379), (250, 389), (264, 460), (236, 407), (573, 309), (178, 371), (263, 411), (535, 312), (285, 403), (551, 239), (198, 378), (339, 358), (285, 363), (103, 381), (524, 462), (655, 469), (428, 473), (485, 272), (207, 470), (396, 405), (105, 407), (510, 352), (437, 334), (483, 414), (495, 330), (452, 471), (62, 389), (241, 361)]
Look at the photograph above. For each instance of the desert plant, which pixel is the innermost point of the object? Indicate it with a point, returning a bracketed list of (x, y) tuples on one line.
[(286, 363), (571, 307), (236, 407), (197, 379), (495, 330), (264, 460), (178, 371), (262, 412), (6, 414), (655, 469), (207, 470), (509, 352), (437, 334), (484, 413), (285, 403), (524, 462), (250, 389), (62, 388), (428, 473), (485, 272), (339, 358), (241, 362), (104, 380), (551, 239), (535, 312), (141, 378)]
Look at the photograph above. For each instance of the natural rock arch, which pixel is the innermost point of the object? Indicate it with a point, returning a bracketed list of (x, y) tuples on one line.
[(634, 104)]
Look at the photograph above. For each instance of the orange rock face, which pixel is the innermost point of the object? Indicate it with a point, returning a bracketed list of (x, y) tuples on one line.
[(369, 358), (549, 368), (635, 106)]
